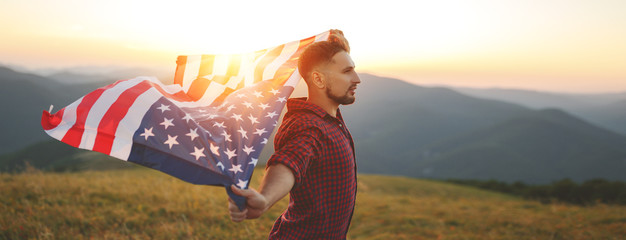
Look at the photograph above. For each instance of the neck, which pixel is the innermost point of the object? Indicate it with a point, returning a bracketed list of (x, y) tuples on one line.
[(325, 103)]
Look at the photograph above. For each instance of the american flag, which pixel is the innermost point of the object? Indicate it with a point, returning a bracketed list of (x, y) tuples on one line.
[(209, 127)]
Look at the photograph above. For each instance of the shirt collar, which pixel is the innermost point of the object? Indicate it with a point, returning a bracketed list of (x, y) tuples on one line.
[(294, 104)]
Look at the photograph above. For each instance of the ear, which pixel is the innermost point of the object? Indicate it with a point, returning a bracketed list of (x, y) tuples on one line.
[(318, 79)]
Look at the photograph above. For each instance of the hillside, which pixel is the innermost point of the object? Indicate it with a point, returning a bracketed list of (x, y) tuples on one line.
[(605, 110), (611, 115), (53, 155), (538, 147), (403, 129), (392, 118), (24, 96), (147, 204)]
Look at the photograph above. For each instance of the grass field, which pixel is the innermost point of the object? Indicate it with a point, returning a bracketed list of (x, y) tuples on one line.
[(145, 204)]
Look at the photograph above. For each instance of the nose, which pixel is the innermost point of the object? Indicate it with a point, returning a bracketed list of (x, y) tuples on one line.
[(356, 79)]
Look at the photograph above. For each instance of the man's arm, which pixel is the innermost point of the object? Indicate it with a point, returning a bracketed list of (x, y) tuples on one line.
[(276, 183)]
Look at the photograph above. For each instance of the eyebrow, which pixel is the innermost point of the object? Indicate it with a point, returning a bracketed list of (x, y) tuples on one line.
[(348, 68)]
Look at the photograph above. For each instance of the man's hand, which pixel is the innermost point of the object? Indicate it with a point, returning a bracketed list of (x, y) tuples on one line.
[(276, 183), (256, 205)]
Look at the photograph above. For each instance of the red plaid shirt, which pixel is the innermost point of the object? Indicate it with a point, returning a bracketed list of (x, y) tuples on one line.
[(319, 150)]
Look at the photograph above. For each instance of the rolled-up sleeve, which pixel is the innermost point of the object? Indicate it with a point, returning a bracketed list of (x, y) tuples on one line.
[(297, 150)]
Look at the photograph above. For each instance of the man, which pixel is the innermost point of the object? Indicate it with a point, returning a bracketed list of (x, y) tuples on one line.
[(314, 159)]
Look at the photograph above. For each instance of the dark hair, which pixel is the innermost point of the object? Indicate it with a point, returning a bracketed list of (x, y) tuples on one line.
[(321, 52)]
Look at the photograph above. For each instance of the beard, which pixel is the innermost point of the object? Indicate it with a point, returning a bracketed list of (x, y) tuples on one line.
[(345, 99)]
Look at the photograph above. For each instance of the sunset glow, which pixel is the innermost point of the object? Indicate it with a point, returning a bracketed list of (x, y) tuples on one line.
[(565, 46)]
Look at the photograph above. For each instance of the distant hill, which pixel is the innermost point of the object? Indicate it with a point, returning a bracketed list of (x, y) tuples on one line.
[(409, 130), (606, 110), (611, 115), (53, 155), (392, 118), (399, 129), (23, 97), (536, 147)]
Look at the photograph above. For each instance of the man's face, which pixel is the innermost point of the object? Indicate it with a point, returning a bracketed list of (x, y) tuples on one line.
[(341, 79)]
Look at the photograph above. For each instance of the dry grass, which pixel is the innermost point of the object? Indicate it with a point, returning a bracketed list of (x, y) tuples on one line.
[(145, 204)]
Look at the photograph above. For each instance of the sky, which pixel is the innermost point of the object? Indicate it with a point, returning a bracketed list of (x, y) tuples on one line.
[(574, 46)]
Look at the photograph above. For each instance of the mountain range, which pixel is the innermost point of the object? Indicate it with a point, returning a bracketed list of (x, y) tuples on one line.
[(399, 129), (606, 110)]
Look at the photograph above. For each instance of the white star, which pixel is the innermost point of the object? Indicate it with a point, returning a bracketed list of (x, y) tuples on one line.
[(164, 107), (271, 114), (274, 91), (215, 149), (222, 105), (219, 124), (244, 133), (240, 95), (171, 141), (258, 94), (264, 106), (187, 117), (167, 122), (231, 107), (248, 150), (236, 168), (253, 119), (202, 110), (230, 153), (192, 134), (211, 116), (242, 184), (264, 141), (282, 99), (275, 123), (237, 117), (226, 137), (260, 131), (147, 133), (254, 161), (219, 164), (198, 152), (248, 105)]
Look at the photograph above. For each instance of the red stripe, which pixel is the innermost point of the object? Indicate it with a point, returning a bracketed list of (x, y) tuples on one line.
[(181, 63), (225, 94), (267, 59), (114, 115), (198, 88), (49, 121), (75, 134)]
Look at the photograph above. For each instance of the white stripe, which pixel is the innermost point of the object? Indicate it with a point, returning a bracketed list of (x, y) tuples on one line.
[(212, 92), (67, 121), (233, 82), (127, 127), (99, 108), (220, 65), (322, 36), (247, 68), (192, 69), (288, 51)]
